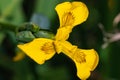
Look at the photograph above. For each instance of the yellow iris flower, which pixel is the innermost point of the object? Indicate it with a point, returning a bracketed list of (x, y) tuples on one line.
[(42, 49)]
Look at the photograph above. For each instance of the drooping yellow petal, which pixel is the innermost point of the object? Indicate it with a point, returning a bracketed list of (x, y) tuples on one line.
[(85, 60), (39, 49), (72, 14)]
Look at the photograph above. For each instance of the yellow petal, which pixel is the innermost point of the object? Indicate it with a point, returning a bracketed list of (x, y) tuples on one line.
[(62, 33), (68, 48), (39, 49), (80, 12), (58, 46), (85, 60), (92, 58), (62, 9), (83, 72), (72, 14), (64, 46)]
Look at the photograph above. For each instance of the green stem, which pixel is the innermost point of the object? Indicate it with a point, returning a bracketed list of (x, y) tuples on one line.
[(7, 26)]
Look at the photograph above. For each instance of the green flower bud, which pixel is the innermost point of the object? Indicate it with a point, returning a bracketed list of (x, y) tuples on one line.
[(25, 36), (29, 27), (44, 34)]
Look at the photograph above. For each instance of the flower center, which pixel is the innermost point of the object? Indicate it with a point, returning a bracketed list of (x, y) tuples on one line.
[(79, 56), (48, 48), (67, 19)]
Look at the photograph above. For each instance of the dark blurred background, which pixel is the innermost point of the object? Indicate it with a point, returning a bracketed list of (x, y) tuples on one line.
[(101, 31)]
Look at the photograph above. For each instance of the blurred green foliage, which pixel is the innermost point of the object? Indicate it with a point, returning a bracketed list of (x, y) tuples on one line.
[(14, 13)]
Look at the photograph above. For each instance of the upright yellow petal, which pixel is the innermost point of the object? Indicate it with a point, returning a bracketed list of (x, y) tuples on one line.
[(39, 49), (72, 14)]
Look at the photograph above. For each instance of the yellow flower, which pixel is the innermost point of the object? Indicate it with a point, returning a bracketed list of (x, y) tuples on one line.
[(42, 49)]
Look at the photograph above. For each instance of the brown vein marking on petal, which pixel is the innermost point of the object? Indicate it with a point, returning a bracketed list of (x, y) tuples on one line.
[(48, 48), (79, 56), (67, 19)]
